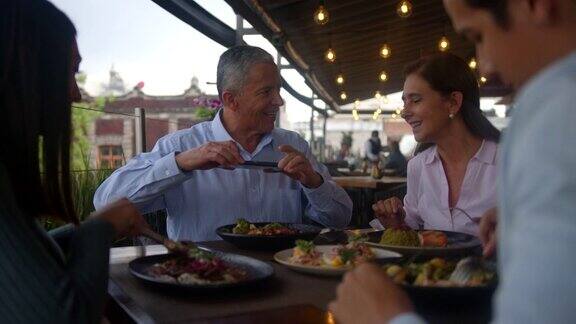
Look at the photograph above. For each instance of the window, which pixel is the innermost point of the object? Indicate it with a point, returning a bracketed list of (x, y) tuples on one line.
[(110, 156)]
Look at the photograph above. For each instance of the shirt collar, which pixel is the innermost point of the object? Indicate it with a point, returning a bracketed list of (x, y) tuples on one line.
[(221, 134), (486, 153), (432, 156)]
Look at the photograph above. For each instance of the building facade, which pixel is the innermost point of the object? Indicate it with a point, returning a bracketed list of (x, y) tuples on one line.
[(113, 133)]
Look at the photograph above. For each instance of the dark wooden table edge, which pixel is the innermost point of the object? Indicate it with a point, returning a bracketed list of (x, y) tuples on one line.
[(127, 304)]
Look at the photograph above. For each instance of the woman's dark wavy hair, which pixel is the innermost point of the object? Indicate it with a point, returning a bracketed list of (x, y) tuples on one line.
[(447, 73), (36, 42)]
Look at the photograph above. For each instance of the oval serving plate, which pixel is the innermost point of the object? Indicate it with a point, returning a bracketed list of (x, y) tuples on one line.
[(256, 271), (283, 257), (268, 242), (459, 244)]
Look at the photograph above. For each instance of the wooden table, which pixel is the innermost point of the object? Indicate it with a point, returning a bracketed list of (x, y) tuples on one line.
[(289, 297), (361, 190)]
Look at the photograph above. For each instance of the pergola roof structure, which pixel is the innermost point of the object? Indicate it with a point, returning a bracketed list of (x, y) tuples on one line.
[(356, 31)]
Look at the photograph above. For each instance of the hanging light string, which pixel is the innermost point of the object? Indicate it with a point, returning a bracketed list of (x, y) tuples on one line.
[(321, 15)]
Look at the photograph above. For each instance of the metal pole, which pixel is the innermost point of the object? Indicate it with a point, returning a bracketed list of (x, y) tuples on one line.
[(323, 153), (140, 130), (312, 126), (278, 116), (239, 30)]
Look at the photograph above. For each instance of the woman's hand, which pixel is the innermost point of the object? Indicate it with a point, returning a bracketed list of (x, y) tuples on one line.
[(367, 295), (390, 212), (487, 232), (124, 217)]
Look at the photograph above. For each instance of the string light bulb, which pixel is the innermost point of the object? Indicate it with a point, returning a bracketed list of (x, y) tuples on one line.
[(377, 95), (343, 95), (394, 115), (473, 64), (385, 51), (340, 79), (330, 55), (443, 44), (404, 9), (383, 76), (483, 79), (321, 15)]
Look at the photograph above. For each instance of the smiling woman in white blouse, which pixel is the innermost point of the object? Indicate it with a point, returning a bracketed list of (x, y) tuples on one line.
[(452, 181)]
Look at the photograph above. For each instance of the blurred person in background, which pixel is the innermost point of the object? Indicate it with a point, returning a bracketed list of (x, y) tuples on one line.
[(396, 161), (372, 148)]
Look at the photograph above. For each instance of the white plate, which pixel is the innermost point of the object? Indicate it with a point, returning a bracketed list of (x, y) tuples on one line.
[(283, 257)]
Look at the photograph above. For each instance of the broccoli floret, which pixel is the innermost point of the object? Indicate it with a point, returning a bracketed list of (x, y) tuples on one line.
[(305, 246), (242, 226), (273, 226), (347, 255)]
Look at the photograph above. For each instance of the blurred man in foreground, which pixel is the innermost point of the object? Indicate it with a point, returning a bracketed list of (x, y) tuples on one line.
[(531, 44)]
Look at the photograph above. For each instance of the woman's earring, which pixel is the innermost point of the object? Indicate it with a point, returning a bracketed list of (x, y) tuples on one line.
[(451, 116)]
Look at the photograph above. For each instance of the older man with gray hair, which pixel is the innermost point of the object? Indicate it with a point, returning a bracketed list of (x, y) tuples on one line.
[(193, 173)]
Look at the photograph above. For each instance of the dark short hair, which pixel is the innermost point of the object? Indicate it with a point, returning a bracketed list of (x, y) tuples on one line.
[(36, 42), (498, 9), (375, 133), (446, 73)]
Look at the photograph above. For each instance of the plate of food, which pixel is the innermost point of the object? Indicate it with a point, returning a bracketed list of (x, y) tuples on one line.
[(200, 270), (432, 280), (266, 235), (424, 242), (331, 260)]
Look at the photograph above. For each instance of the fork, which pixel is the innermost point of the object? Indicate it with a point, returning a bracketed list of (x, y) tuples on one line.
[(466, 269), (172, 246)]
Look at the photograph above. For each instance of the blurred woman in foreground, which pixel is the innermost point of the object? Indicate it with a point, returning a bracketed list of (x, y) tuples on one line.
[(58, 277), (452, 182)]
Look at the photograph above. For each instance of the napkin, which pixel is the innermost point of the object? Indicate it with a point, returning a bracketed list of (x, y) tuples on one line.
[(375, 224)]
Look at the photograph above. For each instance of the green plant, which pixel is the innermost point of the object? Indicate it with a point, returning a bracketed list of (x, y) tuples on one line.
[(205, 113), (84, 185)]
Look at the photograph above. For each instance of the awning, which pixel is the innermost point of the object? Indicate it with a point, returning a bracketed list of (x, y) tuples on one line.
[(356, 31)]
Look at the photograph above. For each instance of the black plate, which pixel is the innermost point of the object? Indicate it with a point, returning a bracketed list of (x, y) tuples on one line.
[(451, 295), (459, 244), (269, 243), (444, 296), (256, 269)]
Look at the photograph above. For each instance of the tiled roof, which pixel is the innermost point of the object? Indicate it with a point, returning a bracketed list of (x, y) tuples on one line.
[(156, 104)]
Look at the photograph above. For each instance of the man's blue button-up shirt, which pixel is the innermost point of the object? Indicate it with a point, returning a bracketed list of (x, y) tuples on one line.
[(198, 202)]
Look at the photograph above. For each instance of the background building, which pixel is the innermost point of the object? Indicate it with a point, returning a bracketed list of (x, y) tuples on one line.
[(113, 132)]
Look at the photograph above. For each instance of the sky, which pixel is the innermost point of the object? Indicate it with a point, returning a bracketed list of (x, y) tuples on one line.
[(143, 42)]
